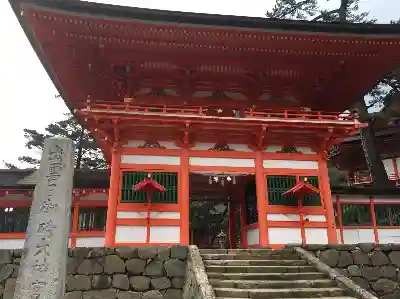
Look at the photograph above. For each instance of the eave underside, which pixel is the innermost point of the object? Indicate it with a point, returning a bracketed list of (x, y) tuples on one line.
[(256, 66)]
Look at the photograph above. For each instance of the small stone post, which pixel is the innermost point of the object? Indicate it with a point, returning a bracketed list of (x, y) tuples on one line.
[(43, 270)]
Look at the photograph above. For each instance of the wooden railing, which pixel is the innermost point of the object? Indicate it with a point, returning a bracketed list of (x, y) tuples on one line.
[(361, 178), (251, 113)]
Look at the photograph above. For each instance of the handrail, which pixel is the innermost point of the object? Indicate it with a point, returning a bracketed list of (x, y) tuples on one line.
[(301, 114)]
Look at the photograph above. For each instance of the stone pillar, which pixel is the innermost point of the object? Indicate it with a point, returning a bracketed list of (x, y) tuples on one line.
[(43, 270)]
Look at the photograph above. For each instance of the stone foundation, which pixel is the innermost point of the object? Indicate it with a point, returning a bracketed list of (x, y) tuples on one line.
[(106, 273), (374, 267)]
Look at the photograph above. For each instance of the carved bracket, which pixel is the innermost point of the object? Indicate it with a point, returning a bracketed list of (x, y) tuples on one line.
[(221, 147), (150, 144)]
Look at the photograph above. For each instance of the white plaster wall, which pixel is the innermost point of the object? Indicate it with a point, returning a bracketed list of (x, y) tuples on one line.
[(339, 238), (130, 234), (90, 242), (273, 148), (253, 236), (143, 215), (12, 243), (290, 164), (315, 218), (389, 235), (164, 234), (227, 162), (388, 163), (316, 235), (354, 236), (283, 217), (147, 159), (283, 235)]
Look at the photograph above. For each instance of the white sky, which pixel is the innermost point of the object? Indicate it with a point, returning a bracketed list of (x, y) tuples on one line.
[(27, 95)]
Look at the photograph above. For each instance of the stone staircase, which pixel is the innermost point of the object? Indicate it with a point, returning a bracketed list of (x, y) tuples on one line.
[(264, 273)]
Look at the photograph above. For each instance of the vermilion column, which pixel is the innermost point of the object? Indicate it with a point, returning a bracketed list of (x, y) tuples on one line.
[(184, 200), (261, 201), (327, 198), (113, 198)]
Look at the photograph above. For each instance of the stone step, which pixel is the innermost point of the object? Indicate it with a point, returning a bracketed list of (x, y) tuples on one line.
[(247, 256), (235, 251), (255, 262), (259, 269), (266, 276), (253, 284), (279, 293), (296, 298)]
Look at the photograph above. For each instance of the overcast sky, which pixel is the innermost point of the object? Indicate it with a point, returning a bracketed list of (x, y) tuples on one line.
[(27, 95)]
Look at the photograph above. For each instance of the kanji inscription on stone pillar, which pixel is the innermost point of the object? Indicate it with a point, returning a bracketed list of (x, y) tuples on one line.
[(42, 271)]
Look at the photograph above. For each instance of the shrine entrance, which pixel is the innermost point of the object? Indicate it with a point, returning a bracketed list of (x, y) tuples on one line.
[(218, 209)]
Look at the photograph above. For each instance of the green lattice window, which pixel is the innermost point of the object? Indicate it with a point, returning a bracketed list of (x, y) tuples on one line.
[(356, 214), (167, 179), (277, 185), (387, 215), (92, 219), (14, 220), (312, 199)]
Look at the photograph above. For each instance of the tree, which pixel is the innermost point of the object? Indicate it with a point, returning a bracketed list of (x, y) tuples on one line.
[(384, 90), (87, 154)]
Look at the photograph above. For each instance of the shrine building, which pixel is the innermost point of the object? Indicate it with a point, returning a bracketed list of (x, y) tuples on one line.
[(195, 106)]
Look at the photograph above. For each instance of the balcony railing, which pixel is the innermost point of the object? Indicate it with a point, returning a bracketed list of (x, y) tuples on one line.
[(303, 114), (364, 178)]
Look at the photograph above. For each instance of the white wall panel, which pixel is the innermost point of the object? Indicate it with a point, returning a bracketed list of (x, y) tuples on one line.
[(389, 235), (227, 162), (164, 234), (130, 234), (278, 235), (316, 235), (273, 148), (164, 215), (143, 215), (12, 243), (290, 164), (147, 159), (338, 234), (354, 236), (315, 218), (90, 242), (253, 236), (283, 217), (131, 215)]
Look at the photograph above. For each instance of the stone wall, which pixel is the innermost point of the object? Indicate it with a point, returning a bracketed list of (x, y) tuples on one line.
[(197, 285), (374, 267), (105, 273)]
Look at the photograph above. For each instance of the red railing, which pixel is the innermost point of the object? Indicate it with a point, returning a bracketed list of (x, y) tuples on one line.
[(301, 114)]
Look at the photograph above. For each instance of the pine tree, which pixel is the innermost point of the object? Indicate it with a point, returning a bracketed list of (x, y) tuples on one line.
[(87, 153), (348, 11)]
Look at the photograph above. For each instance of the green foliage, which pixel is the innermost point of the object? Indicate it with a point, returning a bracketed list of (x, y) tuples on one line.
[(87, 153), (310, 10)]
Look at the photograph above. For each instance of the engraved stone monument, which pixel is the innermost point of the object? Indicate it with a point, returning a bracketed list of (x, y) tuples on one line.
[(42, 271)]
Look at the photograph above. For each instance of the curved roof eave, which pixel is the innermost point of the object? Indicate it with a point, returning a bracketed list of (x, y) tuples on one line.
[(108, 11)]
